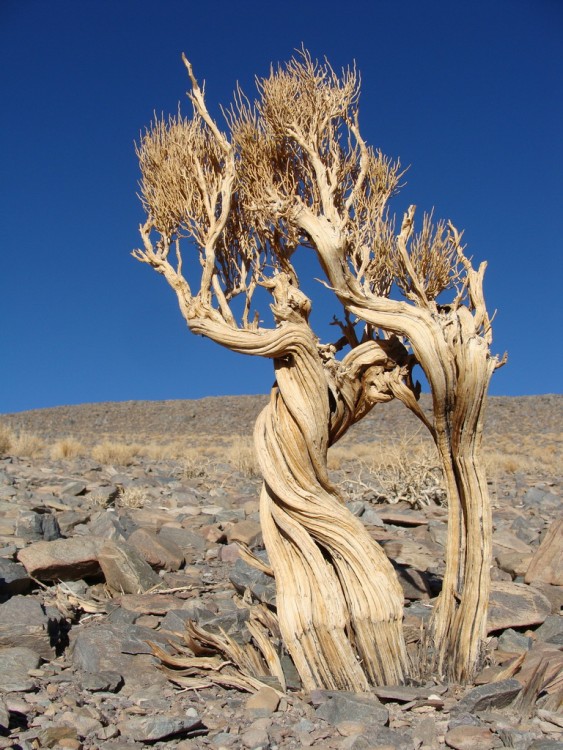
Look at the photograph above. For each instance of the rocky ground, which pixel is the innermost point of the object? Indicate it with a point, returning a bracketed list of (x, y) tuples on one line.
[(104, 565)]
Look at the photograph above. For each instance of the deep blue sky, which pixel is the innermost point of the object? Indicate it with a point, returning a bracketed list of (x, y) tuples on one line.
[(469, 94)]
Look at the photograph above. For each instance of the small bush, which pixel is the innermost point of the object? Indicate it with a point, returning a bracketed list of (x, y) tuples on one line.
[(27, 445), (6, 439), (110, 452), (131, 497), (67, 448)]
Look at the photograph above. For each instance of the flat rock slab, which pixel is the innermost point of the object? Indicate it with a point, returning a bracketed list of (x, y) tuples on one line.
[(125, 569), (62, 559), (15, 664), (470, 738), (160, 553), (154, 728), (14, 578), (24, 622), (547, 563), (515, 605), (494, 695), (337, 707)]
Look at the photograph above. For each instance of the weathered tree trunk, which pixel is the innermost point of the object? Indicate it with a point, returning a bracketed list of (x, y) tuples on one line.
[(340, 605), (452, 347)]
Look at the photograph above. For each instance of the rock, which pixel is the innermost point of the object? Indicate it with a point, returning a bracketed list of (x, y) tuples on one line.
[(551, 631), (83, 724), (514, 605), (74, 488), (107, 682), (154, 728), (514, 642), (160, 552), (4, 716), (261, 586), (63, 559), (256, 736), (125, 570), (54, 735), (345, 706), (248, 532), (470, 738), (514, 563), (547, 563), (117, 648), (106, 525), (191, 544), (415, 584), (262, 703), (494, 695), (24, 622), (13, 578), (15, 664)]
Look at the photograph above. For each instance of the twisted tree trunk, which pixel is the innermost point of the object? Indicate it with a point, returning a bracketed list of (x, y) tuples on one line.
[(340, 605), (451, 344)]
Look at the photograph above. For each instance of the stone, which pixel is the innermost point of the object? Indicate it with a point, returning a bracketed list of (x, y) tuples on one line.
[(255, 737), (415, 584), (154, 728), (125, 570), (4, 716), (515, 605), (107, 682), (551, 631), (261, 586), (547, 563), (83, 725), (191, 544), (13, 578), (62, 559), (470, 738), (494, 695), (248, 532), (262, 703), (54, 735), (345, 706), (107, 525), (514, 563), (513, 642), (15, 665), (117, 648), (24, 622), (160, 553)]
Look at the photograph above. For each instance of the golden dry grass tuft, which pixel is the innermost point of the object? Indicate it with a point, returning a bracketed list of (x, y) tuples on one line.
[(68, 447), (113, 453)]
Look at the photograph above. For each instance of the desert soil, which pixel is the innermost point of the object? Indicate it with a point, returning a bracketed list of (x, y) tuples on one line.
[(105, 552)]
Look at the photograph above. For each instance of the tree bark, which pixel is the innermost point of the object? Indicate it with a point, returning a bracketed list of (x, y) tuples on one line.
[(339, 602)]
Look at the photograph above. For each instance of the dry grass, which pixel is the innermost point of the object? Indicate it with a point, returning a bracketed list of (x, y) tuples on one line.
[(6, 439), (132, 497), (113, 453), (68, 448), (27, 445)]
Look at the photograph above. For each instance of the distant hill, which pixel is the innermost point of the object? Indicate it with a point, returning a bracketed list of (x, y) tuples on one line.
[(235, 415)]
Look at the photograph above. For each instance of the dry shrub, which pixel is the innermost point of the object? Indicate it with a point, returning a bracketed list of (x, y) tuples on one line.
[(28, 445), (6, 439), (405, 469), (110, 452), (68, 447), (242, 457), (131, 497)]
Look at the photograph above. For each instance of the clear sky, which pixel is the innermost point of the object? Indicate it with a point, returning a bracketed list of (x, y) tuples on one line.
[(470, 94)]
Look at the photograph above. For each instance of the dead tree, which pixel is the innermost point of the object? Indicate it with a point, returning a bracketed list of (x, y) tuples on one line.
[(294, 173)]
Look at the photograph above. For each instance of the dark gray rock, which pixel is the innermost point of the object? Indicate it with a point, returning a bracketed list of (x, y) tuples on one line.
[(13, 579), (551, 631), (514, 605), (511, 640), (494, 695), (261, 586), (154, 728), (117, 648), (125, 570), (15, 664), (380, 737), (107, 525), (108, 682), (4, 716), (24, 622), (343, 706)]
